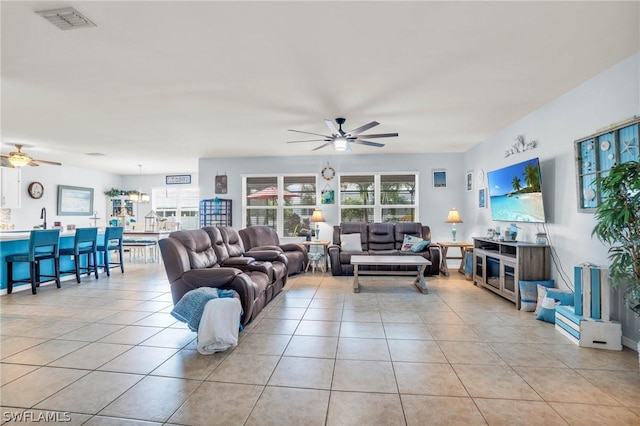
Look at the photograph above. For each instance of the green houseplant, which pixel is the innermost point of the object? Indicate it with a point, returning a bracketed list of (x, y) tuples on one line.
[(618, 217)]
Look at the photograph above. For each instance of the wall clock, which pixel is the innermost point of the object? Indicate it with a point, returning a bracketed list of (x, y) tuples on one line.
[(328, 172), (35, 190)]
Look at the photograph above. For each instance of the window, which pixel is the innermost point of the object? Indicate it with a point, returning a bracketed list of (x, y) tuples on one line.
[(284, 203), (177, 204), (378, 198)]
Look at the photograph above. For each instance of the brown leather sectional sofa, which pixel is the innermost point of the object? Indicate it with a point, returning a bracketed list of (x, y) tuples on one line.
[(215, 257), (381, 239), (259, 237)]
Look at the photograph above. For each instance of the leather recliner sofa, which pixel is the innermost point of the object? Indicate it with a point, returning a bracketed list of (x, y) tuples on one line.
[(381, 239), (260, 237), (192, 260)]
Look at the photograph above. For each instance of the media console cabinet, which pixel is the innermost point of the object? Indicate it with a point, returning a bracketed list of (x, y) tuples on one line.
[(499, 265)]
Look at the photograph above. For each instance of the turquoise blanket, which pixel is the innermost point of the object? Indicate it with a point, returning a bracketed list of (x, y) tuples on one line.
[(189, 309)]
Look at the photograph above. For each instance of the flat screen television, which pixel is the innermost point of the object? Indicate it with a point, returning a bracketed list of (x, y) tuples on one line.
[(515, 193)]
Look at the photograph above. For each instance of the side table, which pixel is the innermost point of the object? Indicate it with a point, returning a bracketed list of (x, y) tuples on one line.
[(444, 248), (325, 249)]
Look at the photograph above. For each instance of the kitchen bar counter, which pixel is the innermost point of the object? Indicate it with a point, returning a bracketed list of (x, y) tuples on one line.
[(17, 241)]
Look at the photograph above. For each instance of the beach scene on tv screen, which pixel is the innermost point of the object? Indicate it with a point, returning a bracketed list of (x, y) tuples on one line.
[(515, 193)]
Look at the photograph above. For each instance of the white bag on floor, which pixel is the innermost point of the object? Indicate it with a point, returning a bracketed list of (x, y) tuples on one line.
[(219, 325)]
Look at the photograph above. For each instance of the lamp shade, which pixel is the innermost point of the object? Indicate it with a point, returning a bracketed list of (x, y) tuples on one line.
[(454, 216), (317, 216)]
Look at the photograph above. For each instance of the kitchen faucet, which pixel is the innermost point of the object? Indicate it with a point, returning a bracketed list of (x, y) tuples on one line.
[(43, 215)]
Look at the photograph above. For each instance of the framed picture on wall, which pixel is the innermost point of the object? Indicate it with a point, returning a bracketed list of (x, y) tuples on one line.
[(469, 180), (75, 201), (482, 198), (439, 178), (221, 184)]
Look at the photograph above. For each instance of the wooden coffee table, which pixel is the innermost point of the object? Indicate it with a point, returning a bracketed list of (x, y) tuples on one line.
[(418, 261)]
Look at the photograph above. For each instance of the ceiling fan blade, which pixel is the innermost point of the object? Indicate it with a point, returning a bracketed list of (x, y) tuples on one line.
[(308, 133), (4, 161), (33, 164), (363, 128), (311, 140), (53, 163), (333, 128), (376, 144), (322, 146), (379, 135)]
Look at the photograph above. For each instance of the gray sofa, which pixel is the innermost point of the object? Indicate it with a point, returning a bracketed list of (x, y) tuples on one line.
[(381, 239)]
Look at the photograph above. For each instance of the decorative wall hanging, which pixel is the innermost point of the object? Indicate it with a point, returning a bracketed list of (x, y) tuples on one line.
[(482, 198), (521, 146), (439, 178), (327, 196), (328, 172), (221, 183), (597, 153), (470, 180), (178, 180)]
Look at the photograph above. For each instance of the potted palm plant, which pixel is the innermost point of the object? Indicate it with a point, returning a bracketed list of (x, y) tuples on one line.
[(618, 216)]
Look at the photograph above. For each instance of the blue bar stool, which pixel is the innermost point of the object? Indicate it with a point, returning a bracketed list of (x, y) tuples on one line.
[(43, 245), (85, 243), (112, 242)]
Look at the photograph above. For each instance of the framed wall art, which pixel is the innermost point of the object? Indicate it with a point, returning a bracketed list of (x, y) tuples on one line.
[(178, 180), (482, 198), (439, 178), (469, 180), (75, 201), (221, 184)]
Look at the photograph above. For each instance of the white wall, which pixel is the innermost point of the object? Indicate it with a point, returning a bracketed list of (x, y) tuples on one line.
[(434, 202), (28, 215), (610, 97)]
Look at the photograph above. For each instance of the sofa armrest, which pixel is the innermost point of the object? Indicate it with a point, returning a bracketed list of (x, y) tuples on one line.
[(261, 248), (268, 256), (434, 250), (210, 277), (293, 247), (334, 257), (238, 262)]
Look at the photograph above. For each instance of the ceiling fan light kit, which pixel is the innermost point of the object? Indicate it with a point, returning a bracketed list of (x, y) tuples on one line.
[(342, 140), (20, 159)]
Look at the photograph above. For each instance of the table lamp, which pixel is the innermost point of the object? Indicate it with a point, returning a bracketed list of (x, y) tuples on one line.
[(316, 218), (453, 218)]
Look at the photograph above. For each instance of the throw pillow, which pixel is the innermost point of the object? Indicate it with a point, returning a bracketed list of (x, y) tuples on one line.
[(529, 294), (409, 242), (541, 287), (552, 298), (350, 242), (420, 246)]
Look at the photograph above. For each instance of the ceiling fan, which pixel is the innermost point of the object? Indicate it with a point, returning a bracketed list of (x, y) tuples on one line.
[(342, 140), (20, 159)]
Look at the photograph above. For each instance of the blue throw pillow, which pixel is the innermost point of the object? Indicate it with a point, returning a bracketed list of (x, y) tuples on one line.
[(420, 246), (529, 293), (553, 297)]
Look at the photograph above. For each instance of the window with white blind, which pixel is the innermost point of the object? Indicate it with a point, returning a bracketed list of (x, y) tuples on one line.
[(378, 197), (177, 204), (284, 203)]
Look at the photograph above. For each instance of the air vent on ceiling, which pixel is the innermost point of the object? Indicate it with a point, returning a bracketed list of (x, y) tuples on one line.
[(66, 19)]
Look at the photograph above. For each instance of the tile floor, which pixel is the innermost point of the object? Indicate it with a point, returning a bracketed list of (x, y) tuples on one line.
[(107, 352)]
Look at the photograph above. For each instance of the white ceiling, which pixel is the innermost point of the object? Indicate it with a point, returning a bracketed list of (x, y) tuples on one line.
[(164, 83)]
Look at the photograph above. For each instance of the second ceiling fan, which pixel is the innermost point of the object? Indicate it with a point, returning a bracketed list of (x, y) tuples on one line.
[(341, 139)]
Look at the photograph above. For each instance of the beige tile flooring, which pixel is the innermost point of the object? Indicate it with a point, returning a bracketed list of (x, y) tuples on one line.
[(107, 352)]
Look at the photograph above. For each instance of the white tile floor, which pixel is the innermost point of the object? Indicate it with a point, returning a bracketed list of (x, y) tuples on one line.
[(107, 352)]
